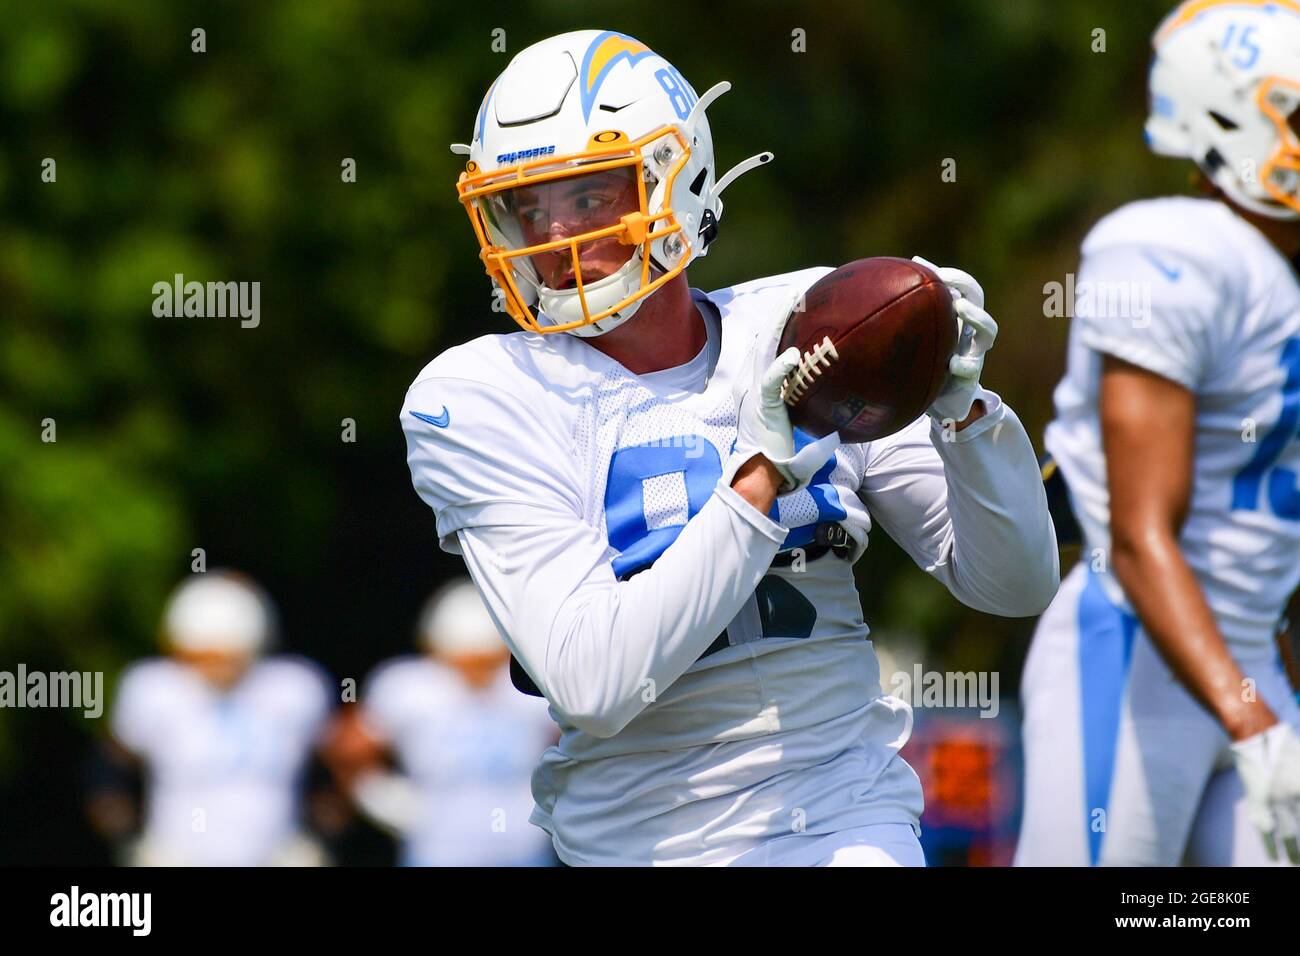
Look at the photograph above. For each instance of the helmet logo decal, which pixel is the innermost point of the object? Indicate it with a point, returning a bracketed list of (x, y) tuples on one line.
[(522, 154), (605, 51), (482, 113)]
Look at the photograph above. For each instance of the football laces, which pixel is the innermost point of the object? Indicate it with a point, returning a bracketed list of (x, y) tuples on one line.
[(811, 366)]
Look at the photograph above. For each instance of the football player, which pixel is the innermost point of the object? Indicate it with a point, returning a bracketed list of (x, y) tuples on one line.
[(222, 733), (1159, 723), (671, 564), (465, 739)]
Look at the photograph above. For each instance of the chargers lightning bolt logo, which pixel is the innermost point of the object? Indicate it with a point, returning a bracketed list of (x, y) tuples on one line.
[(605, 51), (441, 420)]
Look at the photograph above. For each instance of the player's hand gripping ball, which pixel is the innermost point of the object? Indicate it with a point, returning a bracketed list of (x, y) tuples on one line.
[(875, 338), (976, 333), (763, 426)]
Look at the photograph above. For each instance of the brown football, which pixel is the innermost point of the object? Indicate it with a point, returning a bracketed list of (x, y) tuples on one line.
[(875, 338)]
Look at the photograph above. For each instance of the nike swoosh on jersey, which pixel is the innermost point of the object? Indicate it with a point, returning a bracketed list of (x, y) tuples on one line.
[(441, 420), (1170, 274)]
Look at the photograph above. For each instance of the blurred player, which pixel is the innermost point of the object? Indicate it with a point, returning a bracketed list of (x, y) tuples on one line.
[(670, 567), (223, 734), (466, 742), (1159, 723)]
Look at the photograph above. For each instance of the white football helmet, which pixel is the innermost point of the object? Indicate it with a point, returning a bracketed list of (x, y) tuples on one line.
[(455, 621), (219, 612), (591, 180), (1225, 93)]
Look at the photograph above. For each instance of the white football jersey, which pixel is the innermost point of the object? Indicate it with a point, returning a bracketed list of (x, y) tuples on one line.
[(1189, 290), (470, 754), (692, 732), (222, 768)]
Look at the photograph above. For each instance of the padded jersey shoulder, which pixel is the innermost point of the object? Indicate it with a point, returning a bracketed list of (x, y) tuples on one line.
[(1202, 232)]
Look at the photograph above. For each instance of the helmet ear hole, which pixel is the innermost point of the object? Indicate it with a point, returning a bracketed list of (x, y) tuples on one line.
[(1223, 121), (697, 184)]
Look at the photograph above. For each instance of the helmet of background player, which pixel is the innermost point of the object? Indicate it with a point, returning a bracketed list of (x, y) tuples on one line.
[(1225, 93), (455, 621), (218, 615), (590, 181), (454, 626)]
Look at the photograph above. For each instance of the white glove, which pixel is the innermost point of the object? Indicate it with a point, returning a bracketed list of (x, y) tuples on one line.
[(976, 331), (1269, 766), (764, 421)]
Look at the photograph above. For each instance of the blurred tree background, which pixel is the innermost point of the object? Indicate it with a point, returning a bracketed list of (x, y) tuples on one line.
[(183, 433)]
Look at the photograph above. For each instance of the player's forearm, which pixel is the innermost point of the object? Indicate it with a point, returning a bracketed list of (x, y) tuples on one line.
[(977, 411), (757, 482), (602, 650), (1168, 599), (614, 656), (1003, 556)]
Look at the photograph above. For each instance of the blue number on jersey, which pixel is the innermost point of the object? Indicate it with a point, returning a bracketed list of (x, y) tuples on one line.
[(697, 461), (1281, 484), (825, 495), (690, 456)]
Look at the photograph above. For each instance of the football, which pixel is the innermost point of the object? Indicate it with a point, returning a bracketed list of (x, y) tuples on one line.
[(874, 338)]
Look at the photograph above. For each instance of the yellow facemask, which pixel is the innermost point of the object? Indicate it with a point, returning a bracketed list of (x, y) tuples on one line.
[(1276, 94), (538, 220)]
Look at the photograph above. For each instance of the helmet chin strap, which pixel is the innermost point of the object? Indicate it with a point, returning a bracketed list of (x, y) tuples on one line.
[(623, 315), (1222, 177), (551, 297), (1278, 212)]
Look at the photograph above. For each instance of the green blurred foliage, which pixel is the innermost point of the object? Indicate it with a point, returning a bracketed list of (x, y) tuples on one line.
[(177, 433)]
